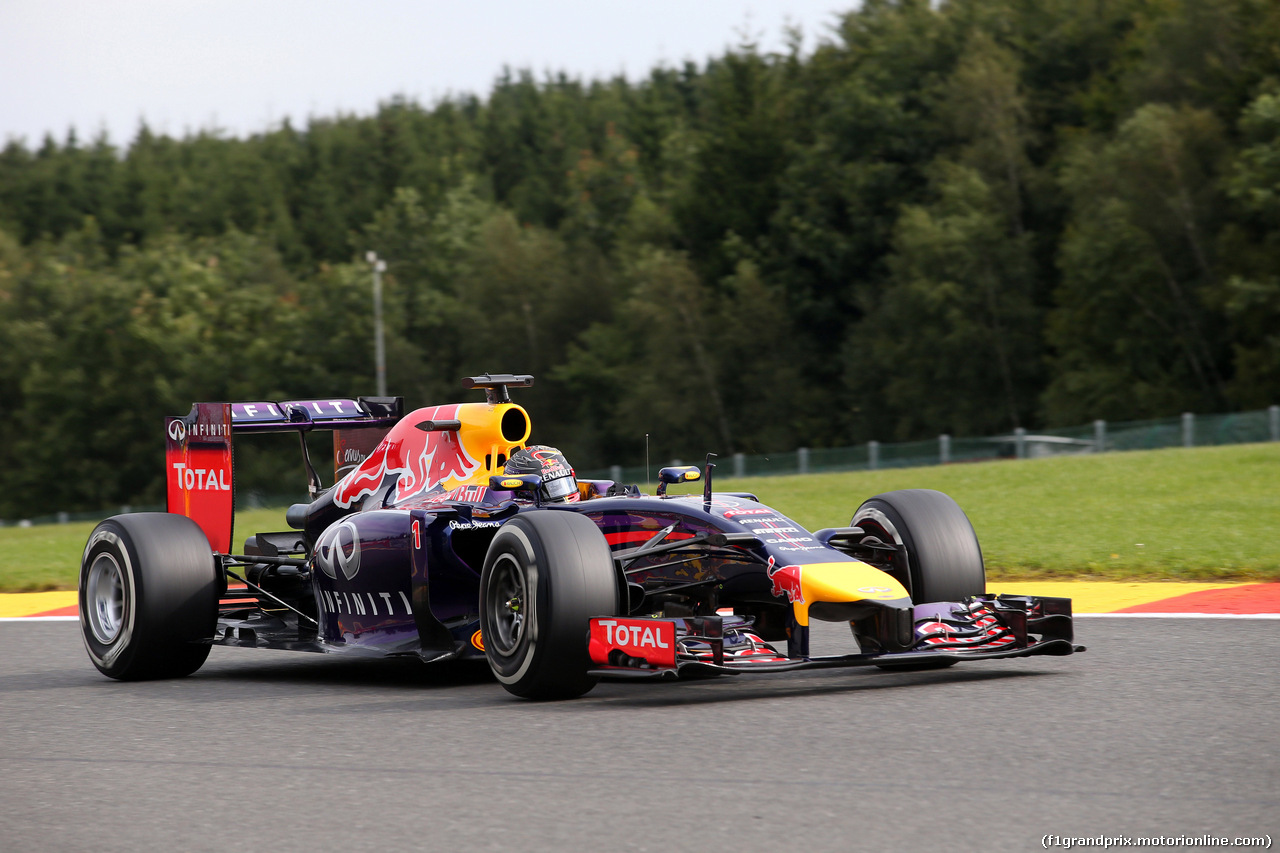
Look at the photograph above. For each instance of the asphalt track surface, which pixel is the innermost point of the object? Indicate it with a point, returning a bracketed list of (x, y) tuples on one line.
[(1164, 727)]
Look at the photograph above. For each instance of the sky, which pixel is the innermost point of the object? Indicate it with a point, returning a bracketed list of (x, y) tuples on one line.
[(243, 66)]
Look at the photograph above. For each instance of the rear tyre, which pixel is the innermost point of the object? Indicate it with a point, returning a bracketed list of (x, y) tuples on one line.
[(943, 559), (547, 572), (148, 596)]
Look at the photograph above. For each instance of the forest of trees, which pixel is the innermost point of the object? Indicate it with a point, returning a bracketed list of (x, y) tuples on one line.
[(953, 217)]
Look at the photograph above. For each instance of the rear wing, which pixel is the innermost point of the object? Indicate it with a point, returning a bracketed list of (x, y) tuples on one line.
[(199, 464)]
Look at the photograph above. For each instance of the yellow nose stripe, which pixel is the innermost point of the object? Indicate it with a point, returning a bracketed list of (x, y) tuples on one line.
[(842, 582)]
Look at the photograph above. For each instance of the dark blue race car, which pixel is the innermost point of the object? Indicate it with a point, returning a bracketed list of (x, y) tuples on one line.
[(446, 535)]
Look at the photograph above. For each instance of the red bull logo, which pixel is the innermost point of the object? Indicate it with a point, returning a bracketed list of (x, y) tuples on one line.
[(366, 479), (437, 457), (420, 460), (786, 581)]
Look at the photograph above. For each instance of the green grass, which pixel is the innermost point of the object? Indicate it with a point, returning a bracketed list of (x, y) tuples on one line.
[(1203, 514), (35, 559)]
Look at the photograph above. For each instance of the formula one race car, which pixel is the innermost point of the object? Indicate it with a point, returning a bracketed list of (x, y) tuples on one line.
[(446, 536)]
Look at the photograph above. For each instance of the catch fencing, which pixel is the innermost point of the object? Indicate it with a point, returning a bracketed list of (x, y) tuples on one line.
[(1188, 430)]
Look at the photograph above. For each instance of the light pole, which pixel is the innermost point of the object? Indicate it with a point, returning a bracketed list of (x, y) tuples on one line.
[(379, 347)]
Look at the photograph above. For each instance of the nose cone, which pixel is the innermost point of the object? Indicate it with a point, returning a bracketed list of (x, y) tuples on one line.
[(836, 583)]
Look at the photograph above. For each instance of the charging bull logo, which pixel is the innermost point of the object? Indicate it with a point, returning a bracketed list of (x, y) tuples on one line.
[(786, 581), (367, 478), (553, 464), (439, 457), (419, 460)]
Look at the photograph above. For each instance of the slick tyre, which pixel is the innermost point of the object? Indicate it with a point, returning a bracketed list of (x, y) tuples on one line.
[(546, 573), (943, 560), (148, 596)]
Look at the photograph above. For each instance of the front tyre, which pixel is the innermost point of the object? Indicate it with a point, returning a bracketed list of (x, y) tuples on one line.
[(943, 559), (944, 562), (547, 572), (148, 596)]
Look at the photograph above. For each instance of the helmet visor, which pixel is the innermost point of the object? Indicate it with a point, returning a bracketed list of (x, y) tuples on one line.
[(559, 488)]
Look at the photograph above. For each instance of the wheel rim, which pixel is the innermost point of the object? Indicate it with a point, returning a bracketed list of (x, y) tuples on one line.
[(877, 526), (105, 599), (506, 605), (878, 529)]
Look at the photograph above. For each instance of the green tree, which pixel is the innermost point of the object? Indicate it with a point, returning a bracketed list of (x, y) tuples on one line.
[(659, 351), (523, 297), (1133, 330), (740, 154), (602, 189), (983, 104), (952, 343), (1252, 245)]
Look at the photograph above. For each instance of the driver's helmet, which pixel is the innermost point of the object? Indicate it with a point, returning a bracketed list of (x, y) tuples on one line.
[(558, 483)]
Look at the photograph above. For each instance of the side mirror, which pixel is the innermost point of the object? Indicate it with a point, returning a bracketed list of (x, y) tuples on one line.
[(515, 482), (673, 474)]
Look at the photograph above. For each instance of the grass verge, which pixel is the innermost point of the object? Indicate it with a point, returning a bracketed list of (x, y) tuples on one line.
[(47, 557), (1203, 514), (1178, 514)]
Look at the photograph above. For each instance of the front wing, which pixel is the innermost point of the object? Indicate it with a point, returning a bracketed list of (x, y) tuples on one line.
[(981, 627)]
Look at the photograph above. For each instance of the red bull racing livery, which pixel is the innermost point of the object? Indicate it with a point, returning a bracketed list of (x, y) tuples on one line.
[(440, 540)]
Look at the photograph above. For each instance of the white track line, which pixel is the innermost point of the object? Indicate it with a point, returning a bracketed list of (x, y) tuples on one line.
[(39, 618)]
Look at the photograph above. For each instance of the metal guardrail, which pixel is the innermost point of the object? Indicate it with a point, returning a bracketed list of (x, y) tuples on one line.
[(1187, 430)]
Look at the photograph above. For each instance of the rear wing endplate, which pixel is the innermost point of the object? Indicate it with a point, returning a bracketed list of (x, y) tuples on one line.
[(199, 465)]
